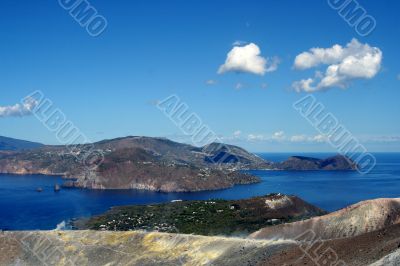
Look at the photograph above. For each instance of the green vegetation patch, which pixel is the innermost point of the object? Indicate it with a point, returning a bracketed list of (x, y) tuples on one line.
[(212, 217)]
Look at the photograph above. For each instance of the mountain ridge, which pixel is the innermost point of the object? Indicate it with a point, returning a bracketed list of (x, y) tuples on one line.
[(157, 164), (12, 144)]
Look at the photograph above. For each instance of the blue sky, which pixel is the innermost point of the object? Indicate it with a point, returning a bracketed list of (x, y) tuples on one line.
[(107, 85)]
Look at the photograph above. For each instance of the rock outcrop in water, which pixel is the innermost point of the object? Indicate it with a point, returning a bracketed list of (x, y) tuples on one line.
[(153, 164)]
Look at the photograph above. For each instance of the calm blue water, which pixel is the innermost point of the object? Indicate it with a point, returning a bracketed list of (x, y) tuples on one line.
[(22, 208)]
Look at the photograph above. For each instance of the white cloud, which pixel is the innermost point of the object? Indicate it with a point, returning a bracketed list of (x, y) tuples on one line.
[(19, 109), (237, 134), (398, 76), (247, 59), (298, 138), (388, 139), (256, 137), (239, 43), (239, 86), (313, 139), (317, 56), (319, 138), (355, 61), (272, 64), (280, 135), (211, 82), (277, 136), (304, 85)]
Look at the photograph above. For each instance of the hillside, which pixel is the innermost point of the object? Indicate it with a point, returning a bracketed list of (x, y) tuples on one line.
[(211, 217), (126, 248), (135, 162), (357, 219), (10, 144), (299, 163), (156, 164), (374, 242), (141, 248)]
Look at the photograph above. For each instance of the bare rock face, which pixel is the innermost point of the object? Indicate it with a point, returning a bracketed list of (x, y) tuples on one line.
[(279, 202), (139, 248), (377, 248), (393, 259), (126, 248), (354, 220)]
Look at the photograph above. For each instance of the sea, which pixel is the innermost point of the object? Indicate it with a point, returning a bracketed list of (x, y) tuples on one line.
[(22, 207)]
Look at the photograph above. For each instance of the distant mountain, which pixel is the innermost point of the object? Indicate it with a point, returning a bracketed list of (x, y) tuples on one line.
[(209, 155), (299, 163), (233, 154), (11, 144), (155, 164)]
